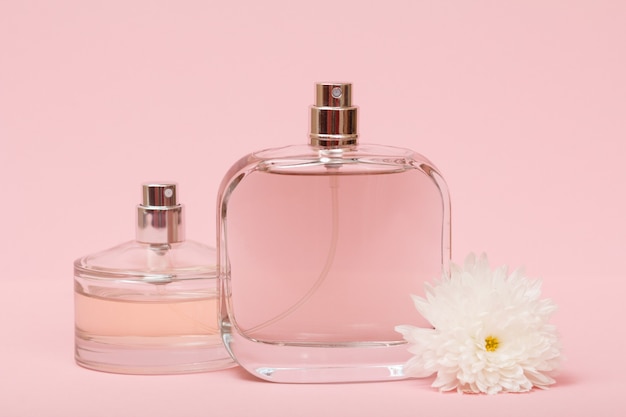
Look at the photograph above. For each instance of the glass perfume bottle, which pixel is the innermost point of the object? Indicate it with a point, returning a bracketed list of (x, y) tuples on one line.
[(149, 306), (320, 247)]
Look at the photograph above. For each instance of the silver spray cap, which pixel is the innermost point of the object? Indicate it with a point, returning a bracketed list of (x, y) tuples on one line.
[(333, 117), (159, 217)]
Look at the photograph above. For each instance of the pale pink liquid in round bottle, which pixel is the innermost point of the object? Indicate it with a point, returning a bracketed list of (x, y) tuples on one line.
[(149, 306)]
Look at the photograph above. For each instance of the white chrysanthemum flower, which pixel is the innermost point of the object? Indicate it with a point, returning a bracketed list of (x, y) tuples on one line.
[(491, 332)]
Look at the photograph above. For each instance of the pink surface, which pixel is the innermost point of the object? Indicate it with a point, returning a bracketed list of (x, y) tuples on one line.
[(520, 104)]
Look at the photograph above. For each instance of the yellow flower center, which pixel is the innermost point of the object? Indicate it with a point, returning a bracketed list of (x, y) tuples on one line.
[(491, 343)]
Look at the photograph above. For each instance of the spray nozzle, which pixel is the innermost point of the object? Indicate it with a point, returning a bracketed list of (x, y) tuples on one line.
[(159, 216), (333, 118), (159, 195)]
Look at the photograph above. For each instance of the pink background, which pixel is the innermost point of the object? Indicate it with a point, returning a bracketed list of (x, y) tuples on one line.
[(519, 103)]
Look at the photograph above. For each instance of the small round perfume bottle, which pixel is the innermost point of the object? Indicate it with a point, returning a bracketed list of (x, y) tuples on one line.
[(149, 306)]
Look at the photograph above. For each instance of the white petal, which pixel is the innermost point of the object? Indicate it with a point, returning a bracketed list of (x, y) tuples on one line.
[(471, 305)]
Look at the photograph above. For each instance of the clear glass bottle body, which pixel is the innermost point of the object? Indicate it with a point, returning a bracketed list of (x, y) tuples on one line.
[(144, 308), (319, 251)]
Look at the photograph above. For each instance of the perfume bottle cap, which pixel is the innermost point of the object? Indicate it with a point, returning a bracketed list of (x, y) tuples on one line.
[(333, 118), (160, 218)]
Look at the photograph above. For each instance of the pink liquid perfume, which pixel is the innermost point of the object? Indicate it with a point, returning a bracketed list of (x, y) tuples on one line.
[(149, 306), (320, 247)]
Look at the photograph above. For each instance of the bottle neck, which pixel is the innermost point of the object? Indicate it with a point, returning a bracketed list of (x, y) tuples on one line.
[(160, 225)]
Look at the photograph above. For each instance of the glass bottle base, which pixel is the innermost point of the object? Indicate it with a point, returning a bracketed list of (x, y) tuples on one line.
[(152, 355), (319, 362)]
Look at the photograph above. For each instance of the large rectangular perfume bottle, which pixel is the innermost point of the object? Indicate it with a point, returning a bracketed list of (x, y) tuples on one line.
[(320, 247)]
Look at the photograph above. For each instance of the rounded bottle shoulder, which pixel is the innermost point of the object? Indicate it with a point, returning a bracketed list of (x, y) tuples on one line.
[(138, 259), (359, 149), (310, 160)]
